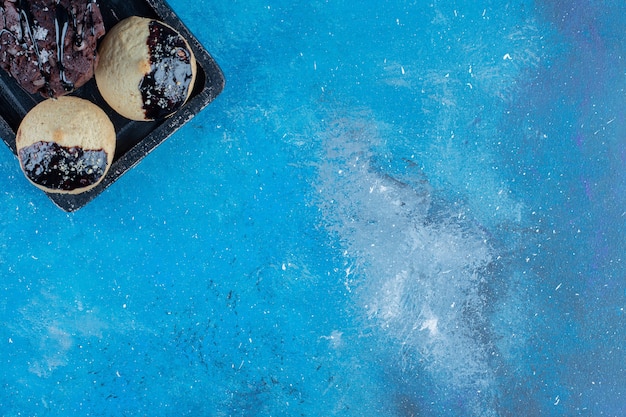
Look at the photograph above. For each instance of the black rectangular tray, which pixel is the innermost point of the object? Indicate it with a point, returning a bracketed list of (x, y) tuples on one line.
[(135, 140)]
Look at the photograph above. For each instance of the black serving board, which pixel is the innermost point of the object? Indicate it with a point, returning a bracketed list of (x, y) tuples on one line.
[(135, 140)]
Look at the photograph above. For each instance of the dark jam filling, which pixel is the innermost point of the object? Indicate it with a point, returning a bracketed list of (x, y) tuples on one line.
[(164, 89), (62, 168)]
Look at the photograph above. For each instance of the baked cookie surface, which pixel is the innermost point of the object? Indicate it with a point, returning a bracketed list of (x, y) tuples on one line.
[(146, 69), (65, 145)]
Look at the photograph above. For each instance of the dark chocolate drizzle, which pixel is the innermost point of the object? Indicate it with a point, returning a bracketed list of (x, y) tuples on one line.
[(62, 168), (61, 21), (165, 89)]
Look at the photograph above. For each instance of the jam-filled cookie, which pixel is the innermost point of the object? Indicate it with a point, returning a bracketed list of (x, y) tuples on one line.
[(146, 69), (65, 145)]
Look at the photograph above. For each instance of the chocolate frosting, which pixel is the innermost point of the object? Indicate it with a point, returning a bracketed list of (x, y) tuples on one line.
[(62, 168), (166, 87)]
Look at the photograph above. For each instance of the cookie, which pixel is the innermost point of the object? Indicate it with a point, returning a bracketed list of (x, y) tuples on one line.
[(49, 46), (146, 69), (65, 145)]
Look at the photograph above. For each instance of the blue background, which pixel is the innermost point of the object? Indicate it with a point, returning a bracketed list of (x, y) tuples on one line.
[(395, 208)]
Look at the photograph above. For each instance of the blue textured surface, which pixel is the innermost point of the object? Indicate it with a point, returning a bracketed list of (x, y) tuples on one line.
[(399, 209)]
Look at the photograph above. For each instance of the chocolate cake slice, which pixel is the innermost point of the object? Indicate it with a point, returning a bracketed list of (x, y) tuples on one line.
[(49, 46)]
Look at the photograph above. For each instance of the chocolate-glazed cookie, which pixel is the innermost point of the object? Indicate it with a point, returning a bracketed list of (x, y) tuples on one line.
[(146, 69), (49, 46), (65, 145)]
